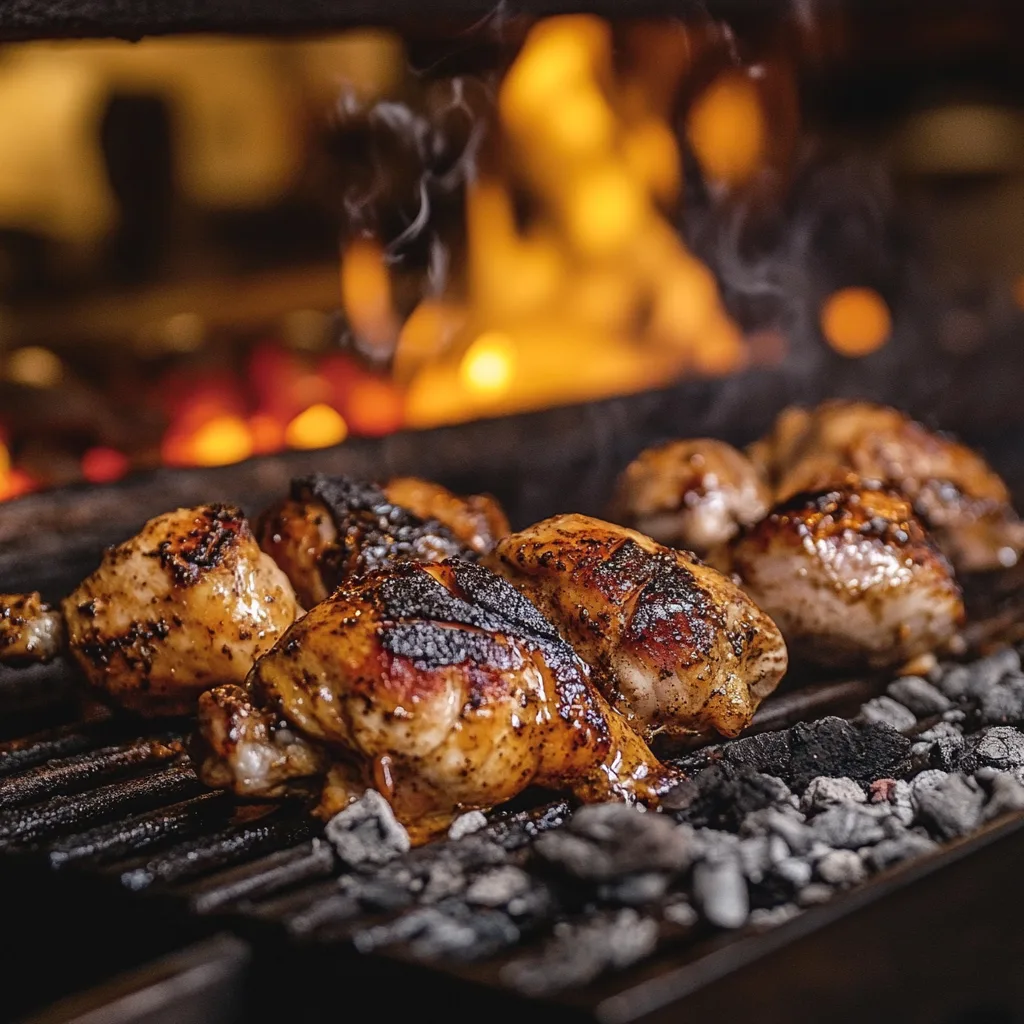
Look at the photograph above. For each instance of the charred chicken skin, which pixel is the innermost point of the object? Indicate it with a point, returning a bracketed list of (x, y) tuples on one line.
[(188, 603), (851, 578), (957, 495), (437, 684), (674, 645), (690, 494), (333, 528)]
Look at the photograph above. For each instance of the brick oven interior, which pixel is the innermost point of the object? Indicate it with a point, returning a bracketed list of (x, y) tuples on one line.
[(858, 805)]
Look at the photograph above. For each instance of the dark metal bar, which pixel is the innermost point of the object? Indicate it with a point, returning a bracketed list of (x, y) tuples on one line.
[(140, 832), (310, 909), (209, 853), (89, 769), (270, 874), (21, 754), (60, 814)]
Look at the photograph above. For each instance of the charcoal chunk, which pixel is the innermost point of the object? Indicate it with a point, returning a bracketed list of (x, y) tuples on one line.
[(841, 868), (635, 890), (680, 912), (906, 846), (367, 832), (604, 841), (832, 746), (917, 694), (466, 824), (824, 792), (720, 891), (952, 807), (768, 753), (850, 826), (794, 870), (999, 746), (578, 953), (886, 711), (814, 894), (726, 793), (1007, 796), (772, 917), (1003, 702), (498, 887)]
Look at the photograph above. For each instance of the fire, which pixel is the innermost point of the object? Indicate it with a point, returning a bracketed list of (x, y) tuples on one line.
[(103, 465), (856, 321), (13, 482), (726, 129), (366, 296), (489, 363), (319, 426), (220, 442), (593, 292)]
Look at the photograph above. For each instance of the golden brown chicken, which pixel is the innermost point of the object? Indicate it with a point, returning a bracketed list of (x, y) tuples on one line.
[(674, 644), (690, 494), (851, 578), (332, 528), (188, 603), (958, 496), (437, 684), (29, 629), (477, 520)]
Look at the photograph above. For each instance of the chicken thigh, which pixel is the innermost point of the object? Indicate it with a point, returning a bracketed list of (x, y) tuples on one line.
[(958, 496), (477, 520), (188, 603), (851, 578), (437, 684), (690, 494), (674, 644)]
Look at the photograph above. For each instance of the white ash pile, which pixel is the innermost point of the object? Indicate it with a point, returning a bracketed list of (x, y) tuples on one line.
[(765, 827)]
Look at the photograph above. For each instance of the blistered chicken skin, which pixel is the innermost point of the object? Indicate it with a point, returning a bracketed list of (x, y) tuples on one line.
[(333, 528), (958, 496), (675, 645), (440, 686), (188, 603), (692, 494), (851, 578)]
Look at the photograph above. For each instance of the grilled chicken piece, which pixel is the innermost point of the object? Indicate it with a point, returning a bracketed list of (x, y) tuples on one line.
[(477, 520), (437, 684), (29, 629), (674, 644), (332, 528), (188, 603), (851, 578), (960, 499), (690, 494)]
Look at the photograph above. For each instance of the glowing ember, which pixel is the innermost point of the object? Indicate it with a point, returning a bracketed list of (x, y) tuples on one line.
[(375, 407), (219, 442), (856, 321), (102, 465), (319, 426), (267, 433)]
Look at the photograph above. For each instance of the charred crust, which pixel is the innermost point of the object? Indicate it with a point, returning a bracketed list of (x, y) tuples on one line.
[(371, 531), (215, 531)]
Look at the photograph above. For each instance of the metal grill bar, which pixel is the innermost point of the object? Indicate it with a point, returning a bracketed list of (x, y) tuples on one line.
[(21, 754), (143, 831), (307, 910), (59, 814), (85, 770), (271, 874), (208, 853)]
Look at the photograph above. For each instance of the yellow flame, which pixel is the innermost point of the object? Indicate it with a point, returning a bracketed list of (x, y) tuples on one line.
[(5, 461), (319, 426), (856, 321), (221, 441), (489, 363), (366, 295), (726, 128)]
